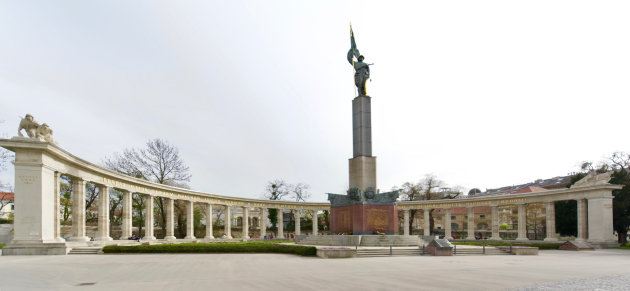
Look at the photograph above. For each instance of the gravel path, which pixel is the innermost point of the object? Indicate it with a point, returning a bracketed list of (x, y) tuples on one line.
[(605, 283)]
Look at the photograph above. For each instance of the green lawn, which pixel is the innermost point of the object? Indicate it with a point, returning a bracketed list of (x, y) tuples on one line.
[(542, 246), (1, 246), (220, 247)]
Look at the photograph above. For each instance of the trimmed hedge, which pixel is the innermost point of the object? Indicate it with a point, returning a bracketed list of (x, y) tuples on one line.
[(542, 246), (227, 247)]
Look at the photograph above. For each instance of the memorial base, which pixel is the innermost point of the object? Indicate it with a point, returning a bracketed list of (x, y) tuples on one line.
[(364, 219)]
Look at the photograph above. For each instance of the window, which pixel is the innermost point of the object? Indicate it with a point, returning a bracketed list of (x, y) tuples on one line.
[(482, 216), (452, 217), (12, 207)]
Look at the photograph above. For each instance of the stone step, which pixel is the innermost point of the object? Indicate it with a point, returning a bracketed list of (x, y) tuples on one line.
[(85, 251)]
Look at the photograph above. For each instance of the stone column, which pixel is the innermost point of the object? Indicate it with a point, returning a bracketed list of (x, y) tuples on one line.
[(582, 213), (495, 223), (103, 213), (298, 227), (550, 214), (471, 222), (57, 231), (126, 215), (427, 222), (522, 222), (263, 222), (190, 220), (209, 235), (78, 211), (227, 221), (406, 222), (280, 223), (245, 223), (315, 223), (170, 220), (148, 218), (447, 227), (600, 221)]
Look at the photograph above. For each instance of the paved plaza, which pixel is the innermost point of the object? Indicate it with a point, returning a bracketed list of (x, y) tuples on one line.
[(289, 272)]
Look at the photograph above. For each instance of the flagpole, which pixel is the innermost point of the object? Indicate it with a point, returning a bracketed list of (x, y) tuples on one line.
[(353, 72)]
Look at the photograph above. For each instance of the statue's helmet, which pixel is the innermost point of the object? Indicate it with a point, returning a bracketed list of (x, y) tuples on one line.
[(360, 58)]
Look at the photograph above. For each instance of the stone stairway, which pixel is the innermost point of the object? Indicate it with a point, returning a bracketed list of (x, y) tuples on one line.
[(386, 252), (85, 251), (477, 250)]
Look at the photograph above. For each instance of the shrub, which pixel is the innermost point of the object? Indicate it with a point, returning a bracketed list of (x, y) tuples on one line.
[(227, 247)]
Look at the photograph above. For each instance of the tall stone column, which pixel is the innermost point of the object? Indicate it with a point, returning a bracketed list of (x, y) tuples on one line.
[(245, 223), (427, 222), (550, 214), (57, 232), (263, 222), (315, 223), (447, 227), (495, 223), (148, 218), (126, 215), (470, 212), (406, 222), (170, 220), (78, 211), (522, 222), (600, 221), (582, 213), (103, 213), (190, 220), (363, 164), (298, 227), (227, 222), (281, 223), (209, 235)]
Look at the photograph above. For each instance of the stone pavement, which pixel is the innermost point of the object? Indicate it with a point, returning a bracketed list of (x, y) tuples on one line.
[(289, 272)]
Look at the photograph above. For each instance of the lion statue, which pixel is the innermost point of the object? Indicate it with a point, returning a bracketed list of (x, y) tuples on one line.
[(34, 129)]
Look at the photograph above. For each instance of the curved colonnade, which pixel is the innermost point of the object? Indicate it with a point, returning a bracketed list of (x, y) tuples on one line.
[(39, 166), (38, 169)]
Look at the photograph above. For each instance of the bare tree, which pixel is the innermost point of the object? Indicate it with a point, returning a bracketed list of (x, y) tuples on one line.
[(5, 158), (429, 188), (158, 162), (279, 189)]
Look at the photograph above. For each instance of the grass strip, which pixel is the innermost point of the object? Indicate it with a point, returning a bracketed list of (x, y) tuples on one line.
[(541, 246), (226, 247), (624, 247)]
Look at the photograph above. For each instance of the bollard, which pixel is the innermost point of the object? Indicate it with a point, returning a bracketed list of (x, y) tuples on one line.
[(423, 249), (390, 250), (510, 248), (455, 250), (484, 249)]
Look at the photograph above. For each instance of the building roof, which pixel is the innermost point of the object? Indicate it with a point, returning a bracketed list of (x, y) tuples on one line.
[(7, 196), (538, 185)]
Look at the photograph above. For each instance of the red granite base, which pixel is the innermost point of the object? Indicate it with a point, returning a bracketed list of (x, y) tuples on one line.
[(364, 219)]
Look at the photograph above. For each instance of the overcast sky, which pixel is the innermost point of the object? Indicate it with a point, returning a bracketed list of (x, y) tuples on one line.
[(480, 93)]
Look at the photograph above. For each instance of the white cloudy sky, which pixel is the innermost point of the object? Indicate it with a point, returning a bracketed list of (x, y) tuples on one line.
[(480, 93)]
